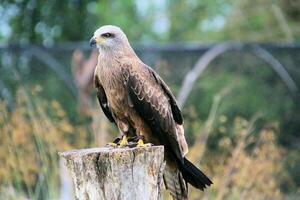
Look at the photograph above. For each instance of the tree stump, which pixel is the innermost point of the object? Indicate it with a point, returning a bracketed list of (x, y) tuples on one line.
[(116, 173)]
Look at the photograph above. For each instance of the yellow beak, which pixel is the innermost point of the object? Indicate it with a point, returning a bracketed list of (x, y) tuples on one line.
[(96, 40)]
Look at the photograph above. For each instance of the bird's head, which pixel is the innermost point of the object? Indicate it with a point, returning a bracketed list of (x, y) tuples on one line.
[(109, 38)]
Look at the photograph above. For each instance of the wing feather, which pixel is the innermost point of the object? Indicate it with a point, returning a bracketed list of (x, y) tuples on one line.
[(103, 99), (175, 109), (152, 103)]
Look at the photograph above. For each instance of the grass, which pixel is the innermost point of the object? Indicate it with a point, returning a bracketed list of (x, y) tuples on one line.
[(32, 134), (245, 162)]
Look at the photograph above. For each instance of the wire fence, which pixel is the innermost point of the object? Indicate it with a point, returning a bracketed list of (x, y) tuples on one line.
[(180, 64)]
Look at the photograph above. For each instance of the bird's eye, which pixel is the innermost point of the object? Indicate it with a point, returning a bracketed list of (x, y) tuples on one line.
[(107, 35)]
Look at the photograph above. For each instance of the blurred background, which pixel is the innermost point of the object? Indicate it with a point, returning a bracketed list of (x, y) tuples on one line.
[(233, 65)]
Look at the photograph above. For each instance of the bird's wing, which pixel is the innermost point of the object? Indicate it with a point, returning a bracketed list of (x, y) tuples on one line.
[(175, 109), (154, 102), (103, 99)]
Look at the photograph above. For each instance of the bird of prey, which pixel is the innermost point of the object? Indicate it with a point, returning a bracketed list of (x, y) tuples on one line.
[(139, 102)]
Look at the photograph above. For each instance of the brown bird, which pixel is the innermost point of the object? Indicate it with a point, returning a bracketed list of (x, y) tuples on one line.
[(139, 102)]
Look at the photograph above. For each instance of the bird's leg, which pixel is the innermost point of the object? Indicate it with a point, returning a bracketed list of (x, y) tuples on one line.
[(141, 143), (124, 128), (123, 142), (120, 141), (116, 141)]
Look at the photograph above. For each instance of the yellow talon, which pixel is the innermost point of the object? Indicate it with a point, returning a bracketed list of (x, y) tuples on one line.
[(141, 143), (111, 144), (124, 141)]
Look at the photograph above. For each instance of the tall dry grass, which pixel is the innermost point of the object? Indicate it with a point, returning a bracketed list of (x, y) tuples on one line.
[(31, 135), (247, 165), (252, 169)]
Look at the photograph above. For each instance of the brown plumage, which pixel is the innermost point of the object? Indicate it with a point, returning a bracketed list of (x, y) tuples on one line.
[(138, 101)]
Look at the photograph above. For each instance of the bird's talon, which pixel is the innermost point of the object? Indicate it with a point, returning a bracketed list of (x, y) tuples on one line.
[(124, 141), (141, 143), (112, 144)]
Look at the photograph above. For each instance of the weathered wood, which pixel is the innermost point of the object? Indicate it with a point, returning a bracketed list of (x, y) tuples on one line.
[(116, 173)]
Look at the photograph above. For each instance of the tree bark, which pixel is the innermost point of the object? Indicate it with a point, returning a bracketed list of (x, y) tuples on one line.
[(116, 173)]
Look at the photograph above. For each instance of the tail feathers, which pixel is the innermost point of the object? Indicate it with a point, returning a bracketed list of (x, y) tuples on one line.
[(175, 183), (193, 175)]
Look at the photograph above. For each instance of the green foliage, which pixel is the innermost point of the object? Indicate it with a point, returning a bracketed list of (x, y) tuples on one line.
[(197, 20), (55, 21), (37, 21), (263, 21), (123, 14)]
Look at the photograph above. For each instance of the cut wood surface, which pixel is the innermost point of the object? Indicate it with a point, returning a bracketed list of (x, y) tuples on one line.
[(116, 173)]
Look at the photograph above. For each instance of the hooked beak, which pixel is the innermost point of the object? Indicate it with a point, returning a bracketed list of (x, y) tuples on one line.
[(93, 42)]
